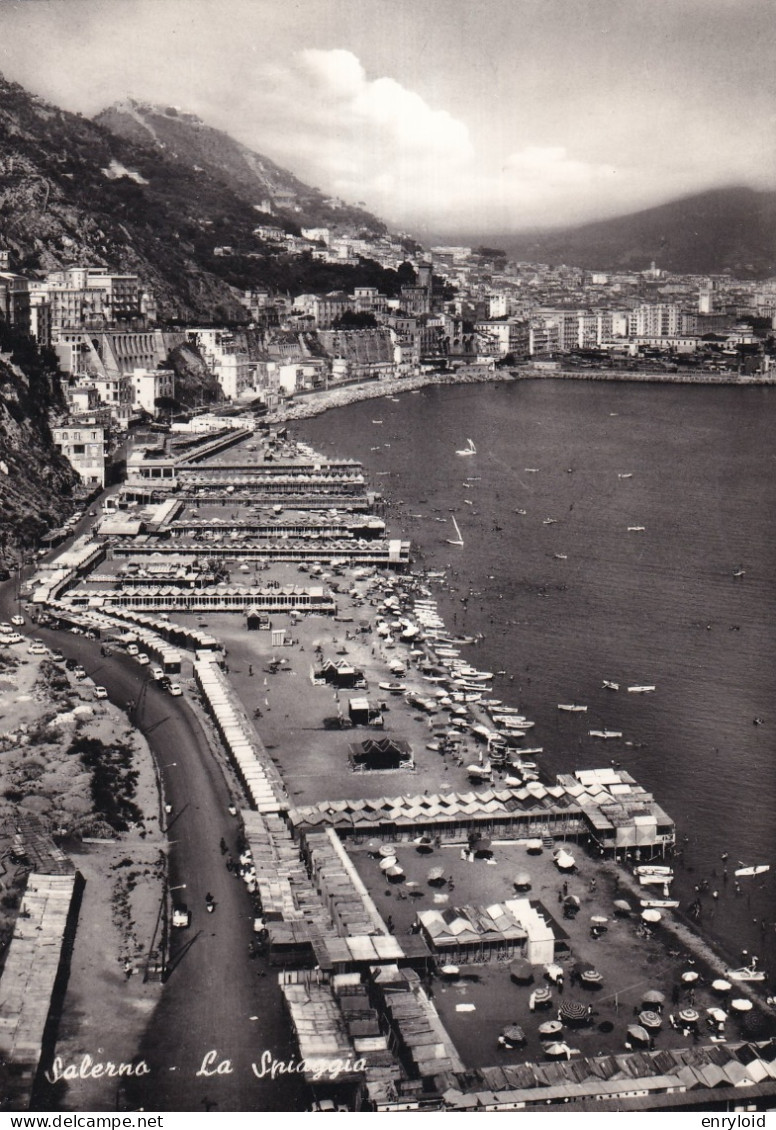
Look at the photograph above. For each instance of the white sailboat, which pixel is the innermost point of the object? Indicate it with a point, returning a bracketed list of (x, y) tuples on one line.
[(458, 540), (470, 450)]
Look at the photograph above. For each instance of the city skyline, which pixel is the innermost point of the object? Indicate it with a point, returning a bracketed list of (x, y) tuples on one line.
[(439, 118)]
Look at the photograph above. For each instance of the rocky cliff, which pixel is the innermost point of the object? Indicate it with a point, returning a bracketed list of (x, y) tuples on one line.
[(36, 482)]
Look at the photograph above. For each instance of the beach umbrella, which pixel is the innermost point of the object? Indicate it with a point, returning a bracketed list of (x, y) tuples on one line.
[(621, 906), (424, 844), (481, 846), (636, 1032), (436, 875), (521, 972), (689, 1016), (591, 978), (651, 915), (558, 1051), (598, 920), (653, 996), (573, 1011), (721, 985), (373, 847), (388, 862), (565, 861), (572, 900), (650, 1019), (741, 1004), (522, 881), (541, 997), (550, 1028), (513, 1034), (553, 971), (395, 872), (717, 1014), (689, 976), (387, 850), (449, 971), (534, 847)]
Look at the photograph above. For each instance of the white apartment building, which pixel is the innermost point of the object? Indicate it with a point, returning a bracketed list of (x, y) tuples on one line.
[(226, 359), (85, 447), (151, 385), (118, 394)]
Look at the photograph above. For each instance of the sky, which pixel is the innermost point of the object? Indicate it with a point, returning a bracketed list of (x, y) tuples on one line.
[(441, 116)]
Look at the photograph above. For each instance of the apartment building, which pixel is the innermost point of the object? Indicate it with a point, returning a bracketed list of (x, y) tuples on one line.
[(85, 446)]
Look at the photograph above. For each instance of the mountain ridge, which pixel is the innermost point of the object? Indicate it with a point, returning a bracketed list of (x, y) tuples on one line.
[(723, 229), (183, 136)]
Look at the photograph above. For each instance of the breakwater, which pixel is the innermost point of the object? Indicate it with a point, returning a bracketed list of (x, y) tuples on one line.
[(314, 403)]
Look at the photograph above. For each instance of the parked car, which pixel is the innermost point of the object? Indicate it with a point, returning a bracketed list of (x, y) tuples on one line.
[(37, 648), (181, 917), (132, 649), (157, 673), (100, 692), (142, 659), (175, 690), (57, 656), (13, 638), (79, 672), (18, 621)]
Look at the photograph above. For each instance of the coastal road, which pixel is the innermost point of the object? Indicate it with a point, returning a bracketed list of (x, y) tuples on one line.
[(216, 998)]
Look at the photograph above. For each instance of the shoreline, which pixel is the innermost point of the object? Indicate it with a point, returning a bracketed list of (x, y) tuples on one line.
[(319, 401)]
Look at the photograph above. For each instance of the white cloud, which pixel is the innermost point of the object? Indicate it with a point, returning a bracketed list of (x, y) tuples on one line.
[(378, 141)]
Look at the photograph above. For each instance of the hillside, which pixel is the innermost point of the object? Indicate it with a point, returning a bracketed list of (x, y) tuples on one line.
[(71, 192), (36, 482), (254, 178), (723, 229)]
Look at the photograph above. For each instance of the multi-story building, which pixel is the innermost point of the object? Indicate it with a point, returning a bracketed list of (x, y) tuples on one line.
[(117, 392), (85, 445), (92, 297), (227, 360), (150, 386), (15, 301), (327, 308)]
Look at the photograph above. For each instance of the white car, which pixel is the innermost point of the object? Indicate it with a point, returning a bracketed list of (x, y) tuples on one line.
[(100, 692), (79, 672), (37, 648), (18, 621), (157, 673), (142, 659), (13, 638), (175, 690), (132, 649)]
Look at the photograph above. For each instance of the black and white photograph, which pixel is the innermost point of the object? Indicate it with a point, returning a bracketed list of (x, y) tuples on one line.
[(387, 558)]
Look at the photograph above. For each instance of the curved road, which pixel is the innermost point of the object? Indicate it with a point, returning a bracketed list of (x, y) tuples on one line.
[(216, 997)]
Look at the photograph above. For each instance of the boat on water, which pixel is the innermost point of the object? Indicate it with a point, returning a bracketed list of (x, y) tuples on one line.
[(653, 869), (605, 733), (609, 686), (659, 904), (532, 470), (641, 690), (745, 974), (636, 529), (561, 556), (377, 421), (572, 707), (470, 449), (627, 475), (739, 573), (457, 540), (549, 521), (758, 869)]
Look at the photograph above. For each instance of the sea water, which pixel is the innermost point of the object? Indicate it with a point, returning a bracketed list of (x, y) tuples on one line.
[(567, 591)]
